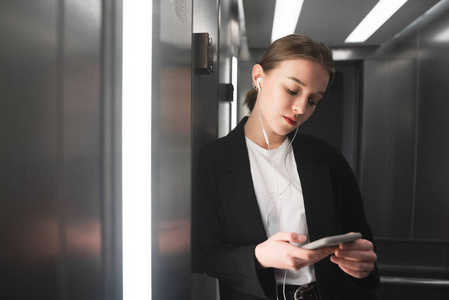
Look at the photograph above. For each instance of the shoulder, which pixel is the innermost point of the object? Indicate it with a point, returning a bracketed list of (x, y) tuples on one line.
[(228, 145), (313, 144), (214, 148)]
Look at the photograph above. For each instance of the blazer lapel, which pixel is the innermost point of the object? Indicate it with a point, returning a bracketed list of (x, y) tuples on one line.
[(240, 197), (238, 187), (316, 184)]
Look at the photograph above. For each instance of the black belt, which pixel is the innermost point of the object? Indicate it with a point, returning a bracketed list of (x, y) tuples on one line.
[(295, 292)]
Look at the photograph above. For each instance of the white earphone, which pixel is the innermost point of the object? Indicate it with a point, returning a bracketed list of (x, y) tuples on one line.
[(258, 83), (260, 114)]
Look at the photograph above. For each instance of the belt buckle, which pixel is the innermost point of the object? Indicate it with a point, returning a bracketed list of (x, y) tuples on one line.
[(299, 291)]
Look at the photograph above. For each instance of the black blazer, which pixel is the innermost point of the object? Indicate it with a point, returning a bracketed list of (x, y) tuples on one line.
[(227, 226)]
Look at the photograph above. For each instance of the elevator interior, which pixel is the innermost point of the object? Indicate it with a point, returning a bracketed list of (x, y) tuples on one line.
[(60, 159)]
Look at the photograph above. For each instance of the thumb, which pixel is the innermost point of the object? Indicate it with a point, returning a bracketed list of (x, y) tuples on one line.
[(291, 237), (298, 238)]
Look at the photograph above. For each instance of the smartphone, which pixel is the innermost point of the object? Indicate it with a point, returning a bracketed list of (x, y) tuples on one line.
[(332, 241)]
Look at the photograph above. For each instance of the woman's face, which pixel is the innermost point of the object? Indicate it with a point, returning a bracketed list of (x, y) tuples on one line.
[(289, 94)]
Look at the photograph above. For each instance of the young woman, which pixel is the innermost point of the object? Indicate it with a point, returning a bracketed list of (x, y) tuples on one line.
[(265, 189)]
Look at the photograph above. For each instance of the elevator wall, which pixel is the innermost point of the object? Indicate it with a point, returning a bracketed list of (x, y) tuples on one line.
[(205, 88), (60, 149), (406, 131), (171, 149), (185, 117), (211, 109), (404, 157)]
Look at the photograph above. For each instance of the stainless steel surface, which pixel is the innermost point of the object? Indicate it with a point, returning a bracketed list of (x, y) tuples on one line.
[(229, 41), (404, 132), (407, 282), (432, 169), (80, 208), (58, 205), (171, 147), (29, 238), (411, 257), (388, 149), (204, 116)]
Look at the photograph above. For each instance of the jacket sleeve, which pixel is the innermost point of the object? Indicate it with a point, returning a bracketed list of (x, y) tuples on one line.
[(213, 252)]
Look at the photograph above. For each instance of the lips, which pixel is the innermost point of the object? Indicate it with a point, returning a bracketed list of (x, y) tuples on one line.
[(290, 121)]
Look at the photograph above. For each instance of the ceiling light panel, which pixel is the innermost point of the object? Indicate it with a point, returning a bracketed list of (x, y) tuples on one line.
[(286, 15), (380, 13)]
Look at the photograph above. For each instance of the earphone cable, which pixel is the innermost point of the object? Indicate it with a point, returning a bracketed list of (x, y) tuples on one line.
[(272, 165), (272, 203)]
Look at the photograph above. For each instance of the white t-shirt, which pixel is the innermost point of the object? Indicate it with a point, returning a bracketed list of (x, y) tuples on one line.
[(278, 175)]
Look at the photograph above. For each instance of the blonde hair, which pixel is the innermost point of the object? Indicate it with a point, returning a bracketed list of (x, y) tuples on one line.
[(290, 47)]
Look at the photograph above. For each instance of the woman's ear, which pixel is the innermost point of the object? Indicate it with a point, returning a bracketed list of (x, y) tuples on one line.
[(257, 73)]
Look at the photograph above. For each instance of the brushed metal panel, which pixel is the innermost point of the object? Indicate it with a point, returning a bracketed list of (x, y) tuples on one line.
[(388, 147), (423, 283), (55, 197), (393, 293), (204, 115), (412, 258), (81, 205), (413, 67), (432, 190), (171, 149), (111, 149), (28, 127)]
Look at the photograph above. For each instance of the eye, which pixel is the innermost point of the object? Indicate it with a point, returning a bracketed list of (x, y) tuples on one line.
[(292, 92), (311, 102)]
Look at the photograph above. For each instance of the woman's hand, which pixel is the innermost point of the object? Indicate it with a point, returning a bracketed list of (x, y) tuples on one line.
[(355, 258), (277, 252)]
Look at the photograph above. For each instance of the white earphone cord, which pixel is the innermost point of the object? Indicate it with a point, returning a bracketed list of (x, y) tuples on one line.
[(273, 202), (275, 176)]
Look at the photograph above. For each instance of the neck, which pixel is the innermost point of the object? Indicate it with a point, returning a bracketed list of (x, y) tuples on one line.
[(254, 131)]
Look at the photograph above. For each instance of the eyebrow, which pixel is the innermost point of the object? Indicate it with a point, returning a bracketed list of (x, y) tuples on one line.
[(302, 83)]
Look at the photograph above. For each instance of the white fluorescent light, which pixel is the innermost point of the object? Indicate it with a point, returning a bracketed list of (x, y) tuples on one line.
[(383, 10), (234, 81), (136, 149), (286, 15)]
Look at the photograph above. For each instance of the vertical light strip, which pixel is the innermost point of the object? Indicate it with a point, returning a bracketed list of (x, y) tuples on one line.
[(235, 102), (380, 13), (286, 15), (136, 149)]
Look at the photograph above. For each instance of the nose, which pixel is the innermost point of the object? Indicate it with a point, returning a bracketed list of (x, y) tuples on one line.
[(300, 105)]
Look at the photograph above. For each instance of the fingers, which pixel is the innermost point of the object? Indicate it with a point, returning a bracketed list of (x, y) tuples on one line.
[(360, 250), (360, 244), (357, 255), (354, 268), (356, 258), (304, 257), (314, 255), (291, 237), (278, 252)]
